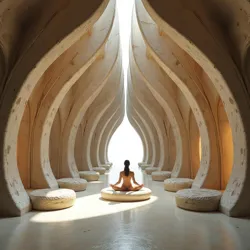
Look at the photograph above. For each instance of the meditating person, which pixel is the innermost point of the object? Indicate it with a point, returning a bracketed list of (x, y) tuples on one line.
[(126, 176)]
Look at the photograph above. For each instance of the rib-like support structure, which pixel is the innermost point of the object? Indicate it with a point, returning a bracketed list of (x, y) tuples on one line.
[(62, 95)]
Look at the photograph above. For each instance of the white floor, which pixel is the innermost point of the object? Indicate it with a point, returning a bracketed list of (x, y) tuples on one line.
[(96, 224)]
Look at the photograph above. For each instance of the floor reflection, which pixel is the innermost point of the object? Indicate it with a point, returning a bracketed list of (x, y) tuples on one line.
[(96, 224)]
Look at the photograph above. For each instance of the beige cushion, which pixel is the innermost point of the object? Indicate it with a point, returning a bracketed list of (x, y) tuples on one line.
[(141, 195), (150, 170), (144, 166), (106, 166), (89, 175), (161, 175), (200, 200), (76, 184), (141, 163), (176, 184), (100, 170), (52, 199)]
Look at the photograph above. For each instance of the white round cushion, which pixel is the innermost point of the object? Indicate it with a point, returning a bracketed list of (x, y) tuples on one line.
[(89, 175), (176, 184), (112, 195), (52, 199), (144, 166), (76, 184), (161, 175), (106, 166), (100, 170), (199, 200), (141, 163), (150, 170)]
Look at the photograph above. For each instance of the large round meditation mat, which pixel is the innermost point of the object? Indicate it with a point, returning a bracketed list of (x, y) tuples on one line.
[(112, 195)]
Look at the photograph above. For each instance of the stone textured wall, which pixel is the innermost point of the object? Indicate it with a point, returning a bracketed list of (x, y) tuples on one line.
[(62, 93)]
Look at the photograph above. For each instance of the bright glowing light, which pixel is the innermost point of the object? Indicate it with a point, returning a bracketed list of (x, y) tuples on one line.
[(125, 143), (95, 208)]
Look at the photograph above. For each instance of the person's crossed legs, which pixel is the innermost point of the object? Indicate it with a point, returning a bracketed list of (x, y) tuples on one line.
[(122, 188)]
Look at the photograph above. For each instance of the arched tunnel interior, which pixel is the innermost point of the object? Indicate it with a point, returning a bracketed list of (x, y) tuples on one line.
[(181, 81)]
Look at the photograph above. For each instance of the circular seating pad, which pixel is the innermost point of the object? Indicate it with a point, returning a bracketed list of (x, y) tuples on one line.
[(89, 175), (176, 184), (111, 195), (142, 163), (150, 170), (100, 170), (106, 166), (199, 200), (161, 175), (52, 199), (76, 184), (144, 166)]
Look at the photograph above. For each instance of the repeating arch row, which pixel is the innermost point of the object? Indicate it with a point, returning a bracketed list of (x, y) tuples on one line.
[(181, 90), (61, 103)]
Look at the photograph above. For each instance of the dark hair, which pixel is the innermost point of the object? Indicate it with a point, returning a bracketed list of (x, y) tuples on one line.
[(126, 168)]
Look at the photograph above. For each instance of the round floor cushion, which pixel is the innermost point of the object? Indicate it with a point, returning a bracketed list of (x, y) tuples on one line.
[(100, 170), (150, 170), (52, 199), (144, 166), (106, 166), (199, 200), (89, 175), (111, 195), (161, 175), (176, 184), (76, 184)]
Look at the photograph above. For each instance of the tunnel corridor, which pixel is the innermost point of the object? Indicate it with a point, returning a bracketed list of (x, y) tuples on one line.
[(176, 71)]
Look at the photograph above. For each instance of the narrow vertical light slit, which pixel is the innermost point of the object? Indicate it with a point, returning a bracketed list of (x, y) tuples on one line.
[(125, 143)]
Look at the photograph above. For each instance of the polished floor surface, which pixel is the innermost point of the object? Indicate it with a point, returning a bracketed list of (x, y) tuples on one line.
[(96, 224)]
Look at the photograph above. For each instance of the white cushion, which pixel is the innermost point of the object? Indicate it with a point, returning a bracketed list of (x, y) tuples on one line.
[(52, 199), (112, 195), (100, 170), (144, 166), (200, 200), (106, 166), (176, 184), (89, 175), (161, 175), (76, 184), (150, 170)]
